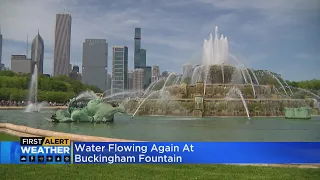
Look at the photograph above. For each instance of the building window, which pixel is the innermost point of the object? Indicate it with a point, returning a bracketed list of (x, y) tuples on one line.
[(118, 49)]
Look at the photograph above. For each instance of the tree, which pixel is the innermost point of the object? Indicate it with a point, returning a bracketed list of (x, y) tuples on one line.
[(15, 87)]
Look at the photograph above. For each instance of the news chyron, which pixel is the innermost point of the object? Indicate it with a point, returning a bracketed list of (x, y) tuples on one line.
[(45, 150)]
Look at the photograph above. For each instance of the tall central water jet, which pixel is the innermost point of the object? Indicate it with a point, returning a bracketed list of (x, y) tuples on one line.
[(33, 105), (215, 50), (33, 91)]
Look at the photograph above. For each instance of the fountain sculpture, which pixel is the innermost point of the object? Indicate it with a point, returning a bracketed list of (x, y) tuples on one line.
[(87, 109)]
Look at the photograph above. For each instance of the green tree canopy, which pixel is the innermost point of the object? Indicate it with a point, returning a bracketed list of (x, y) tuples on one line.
[(15, 86)]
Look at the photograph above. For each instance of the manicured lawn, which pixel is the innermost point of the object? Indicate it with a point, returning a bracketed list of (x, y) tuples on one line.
[(7, 137), (146, 172), (157, 172)]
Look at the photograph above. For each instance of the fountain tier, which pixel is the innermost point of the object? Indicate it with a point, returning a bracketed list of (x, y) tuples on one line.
[(218, 101)]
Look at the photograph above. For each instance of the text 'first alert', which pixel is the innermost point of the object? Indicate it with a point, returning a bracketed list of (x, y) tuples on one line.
[(44, 141)]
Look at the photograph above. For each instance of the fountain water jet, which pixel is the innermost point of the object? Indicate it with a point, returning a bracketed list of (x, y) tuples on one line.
[(237, 91), (143, 102), (150, 87), (309, 92), (222, 71), (196, 74), (110, 90), (288, 86), (33, 105), (255, 77), (87, 95), (272, 75), (165, 83), (207, 68), (121, 93), (176, 80), (254, 91)]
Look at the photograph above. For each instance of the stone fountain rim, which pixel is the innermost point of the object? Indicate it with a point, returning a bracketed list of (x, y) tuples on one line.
[(25, 131)]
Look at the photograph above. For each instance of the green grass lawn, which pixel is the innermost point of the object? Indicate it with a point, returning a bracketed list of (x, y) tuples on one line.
[(7, 137), (146, 172), (157, 172)]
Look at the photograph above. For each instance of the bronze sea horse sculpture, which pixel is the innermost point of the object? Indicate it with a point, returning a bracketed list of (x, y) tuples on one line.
[(88, 110)]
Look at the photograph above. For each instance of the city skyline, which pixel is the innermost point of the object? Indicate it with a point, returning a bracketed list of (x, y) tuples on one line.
[(263, 35)]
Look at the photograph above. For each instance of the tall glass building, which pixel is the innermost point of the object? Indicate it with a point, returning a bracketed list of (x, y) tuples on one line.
[(143, 57), (147, 74), (95, 63), (62, 40), (137, 46), (119, 68), (37, 52)]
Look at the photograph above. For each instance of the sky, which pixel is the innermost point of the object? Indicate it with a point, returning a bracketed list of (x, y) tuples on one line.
[(278, 35)]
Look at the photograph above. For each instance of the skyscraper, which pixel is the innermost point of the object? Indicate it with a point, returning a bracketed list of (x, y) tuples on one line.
[(143, 57), (95, 63), (147, 74), (119, 68), (155, 73), (137, 46), (109, 81), (74, 74), (147, 71), (138, 79), (75, 68), (21, 64), (37, 50), (1, 65), (62, 36), (130, 80)]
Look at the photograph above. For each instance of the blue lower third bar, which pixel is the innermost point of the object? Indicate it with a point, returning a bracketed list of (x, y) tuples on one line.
[(13, 153), (197, 152)]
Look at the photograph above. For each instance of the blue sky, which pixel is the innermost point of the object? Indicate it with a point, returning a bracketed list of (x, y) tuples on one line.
[(278, 35)]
